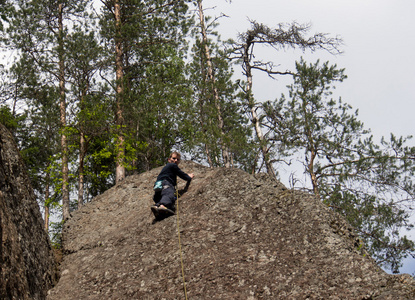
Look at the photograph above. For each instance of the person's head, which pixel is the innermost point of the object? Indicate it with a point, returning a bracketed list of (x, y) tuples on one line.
[(174, 158)]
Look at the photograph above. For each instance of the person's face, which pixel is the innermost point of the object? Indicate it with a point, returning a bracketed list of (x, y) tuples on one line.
[(174, 159)]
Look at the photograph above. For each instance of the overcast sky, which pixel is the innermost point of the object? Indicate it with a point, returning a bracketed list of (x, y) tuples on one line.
[(378, 56)]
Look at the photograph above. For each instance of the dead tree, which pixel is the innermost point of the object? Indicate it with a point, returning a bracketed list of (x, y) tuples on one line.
[(284, 36)]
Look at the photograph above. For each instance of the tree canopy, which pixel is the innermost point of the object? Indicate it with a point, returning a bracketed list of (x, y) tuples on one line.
[(369, 184)]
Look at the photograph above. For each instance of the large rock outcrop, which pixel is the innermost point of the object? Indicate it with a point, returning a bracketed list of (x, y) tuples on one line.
[(27, 266), (242, 237)]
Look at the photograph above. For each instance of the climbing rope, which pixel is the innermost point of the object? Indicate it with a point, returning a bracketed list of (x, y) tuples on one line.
[(180, 244)]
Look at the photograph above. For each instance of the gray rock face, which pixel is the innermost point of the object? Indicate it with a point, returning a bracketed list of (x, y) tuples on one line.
[(241, 237), (27, 266)]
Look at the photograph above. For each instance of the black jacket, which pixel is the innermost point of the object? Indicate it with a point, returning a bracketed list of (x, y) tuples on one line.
[(170, 173)]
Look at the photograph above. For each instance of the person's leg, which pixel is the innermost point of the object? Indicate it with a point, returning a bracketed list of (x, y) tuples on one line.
[(157, 197), (167, 197)]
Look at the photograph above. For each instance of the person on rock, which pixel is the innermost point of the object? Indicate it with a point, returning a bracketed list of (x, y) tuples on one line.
[(164, 188)]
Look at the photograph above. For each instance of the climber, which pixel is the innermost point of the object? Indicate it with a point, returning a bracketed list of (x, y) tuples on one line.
[(164, 188)]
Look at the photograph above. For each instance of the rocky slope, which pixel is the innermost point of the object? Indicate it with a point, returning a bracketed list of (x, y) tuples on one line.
[(241, 237), (27, 266)]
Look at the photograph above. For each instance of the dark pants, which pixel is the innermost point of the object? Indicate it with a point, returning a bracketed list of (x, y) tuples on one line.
[(167, 196)]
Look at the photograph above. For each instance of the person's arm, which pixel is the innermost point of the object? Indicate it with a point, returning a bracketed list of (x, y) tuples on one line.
[(184, 190), (183, 175)]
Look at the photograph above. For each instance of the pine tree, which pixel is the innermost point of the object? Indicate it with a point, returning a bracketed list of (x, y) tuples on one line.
[(84, 57), (211, 81), (291, 36), (217, 131), (39, 28), (38, 133), (146, 41), (369, 184)]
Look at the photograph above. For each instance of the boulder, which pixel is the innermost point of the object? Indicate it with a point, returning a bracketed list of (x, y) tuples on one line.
[(27, 265), (235, 236)]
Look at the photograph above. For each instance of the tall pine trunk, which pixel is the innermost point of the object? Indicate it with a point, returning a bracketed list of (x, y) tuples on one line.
[(47, 209), (64, 142), (119, 74), (212, 80), (82, 148)]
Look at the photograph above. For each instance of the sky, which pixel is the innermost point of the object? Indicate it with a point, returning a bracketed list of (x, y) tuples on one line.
[(378, 52), (378, 57)]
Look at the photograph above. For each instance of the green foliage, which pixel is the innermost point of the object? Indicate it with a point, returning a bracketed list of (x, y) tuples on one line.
[(152, 40), (369, 184), (5, 10), (3, 13), (205, 137), (38, 139), (379, 223), (10, 121), (55, 234), (100, 164)]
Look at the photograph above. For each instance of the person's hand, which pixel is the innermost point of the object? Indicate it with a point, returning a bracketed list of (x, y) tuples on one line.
[(191, 175)]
